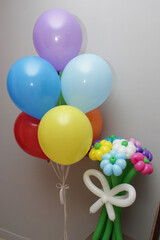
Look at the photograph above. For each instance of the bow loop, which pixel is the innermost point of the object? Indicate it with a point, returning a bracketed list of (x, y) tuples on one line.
[(108, 196)]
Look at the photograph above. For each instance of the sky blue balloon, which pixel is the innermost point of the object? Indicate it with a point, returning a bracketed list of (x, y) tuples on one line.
[(86, 82), (33, 85)]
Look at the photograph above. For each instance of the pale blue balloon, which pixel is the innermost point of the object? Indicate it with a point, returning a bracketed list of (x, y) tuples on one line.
[(117, 170), (106, 156), (121, 155), (108, 169), (122, 163), (86, 82), (33, 85), (104, 163)]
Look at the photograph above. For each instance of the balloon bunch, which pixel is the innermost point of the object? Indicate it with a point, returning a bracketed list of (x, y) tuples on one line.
[(39, 85), (58, 77), (120, 160)]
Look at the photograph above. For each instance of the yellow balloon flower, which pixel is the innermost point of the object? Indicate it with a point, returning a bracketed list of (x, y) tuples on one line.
[(99, 149), (65, 134)]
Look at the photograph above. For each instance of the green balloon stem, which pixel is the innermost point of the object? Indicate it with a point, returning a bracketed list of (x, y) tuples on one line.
[(127, 179), (115, 180), (101, 224), (117, 223), (103, 221), (113, 235), (130, 175), (61, 100), (108, 230)]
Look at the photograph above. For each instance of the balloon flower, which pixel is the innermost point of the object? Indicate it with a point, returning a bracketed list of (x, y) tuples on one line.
[(120, 162)]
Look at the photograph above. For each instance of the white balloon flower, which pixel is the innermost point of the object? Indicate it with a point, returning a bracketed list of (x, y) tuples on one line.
[(122, 145)]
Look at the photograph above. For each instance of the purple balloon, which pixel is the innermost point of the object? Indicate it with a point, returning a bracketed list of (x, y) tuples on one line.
[(139, 149), (148, 154), (57, 37), (145, 152)]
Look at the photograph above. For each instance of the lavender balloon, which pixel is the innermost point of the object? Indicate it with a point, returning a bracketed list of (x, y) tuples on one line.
[(57, 37)]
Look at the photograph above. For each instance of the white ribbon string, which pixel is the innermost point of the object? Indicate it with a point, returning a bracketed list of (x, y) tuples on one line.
[(62, 192), (61, 172), (56, 171), (108, 196)]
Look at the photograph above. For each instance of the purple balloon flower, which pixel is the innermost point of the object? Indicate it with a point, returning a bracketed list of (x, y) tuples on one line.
[(145, 152)]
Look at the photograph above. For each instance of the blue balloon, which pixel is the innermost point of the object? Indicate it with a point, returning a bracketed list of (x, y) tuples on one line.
[(33, 85), (86, 82)]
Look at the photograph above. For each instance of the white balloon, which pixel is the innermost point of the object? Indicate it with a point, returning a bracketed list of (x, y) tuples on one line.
[(108, 196)]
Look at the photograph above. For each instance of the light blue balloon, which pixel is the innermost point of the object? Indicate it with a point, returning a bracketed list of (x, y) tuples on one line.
[(106, 155), (33, 85), (108, 169), (117, 170), (121, 155), (104, 163), (122, 163), (86, 82)]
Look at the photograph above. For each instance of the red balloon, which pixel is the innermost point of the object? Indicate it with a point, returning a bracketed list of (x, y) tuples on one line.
[(26, 135), (95, 119)]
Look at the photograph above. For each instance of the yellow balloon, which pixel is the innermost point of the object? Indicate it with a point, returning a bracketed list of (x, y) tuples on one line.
[(92, 154), (65, 134), (99, 155)]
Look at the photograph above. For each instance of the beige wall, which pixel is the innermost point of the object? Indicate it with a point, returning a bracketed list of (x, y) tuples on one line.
[(127, 34)]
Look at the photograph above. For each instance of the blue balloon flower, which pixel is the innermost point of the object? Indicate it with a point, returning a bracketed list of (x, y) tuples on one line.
[(113, 163), (111, 139)]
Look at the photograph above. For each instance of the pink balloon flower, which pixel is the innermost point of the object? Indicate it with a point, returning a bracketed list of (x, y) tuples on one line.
[(141, 163), (135, 142)]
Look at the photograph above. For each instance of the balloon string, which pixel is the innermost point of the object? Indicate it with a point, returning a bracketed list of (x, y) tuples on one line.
[(58, 168), (65, 217), (55, 170), (67, 172), (62, 172)]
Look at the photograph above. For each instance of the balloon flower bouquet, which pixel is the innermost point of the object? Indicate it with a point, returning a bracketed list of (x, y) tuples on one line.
[(120, 161), (58, 93)]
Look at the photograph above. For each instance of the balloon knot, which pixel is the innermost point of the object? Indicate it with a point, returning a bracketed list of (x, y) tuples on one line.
[(62, 191)]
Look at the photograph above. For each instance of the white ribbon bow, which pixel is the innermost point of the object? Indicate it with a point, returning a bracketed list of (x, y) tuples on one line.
[(62, 191), (108, 196)]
